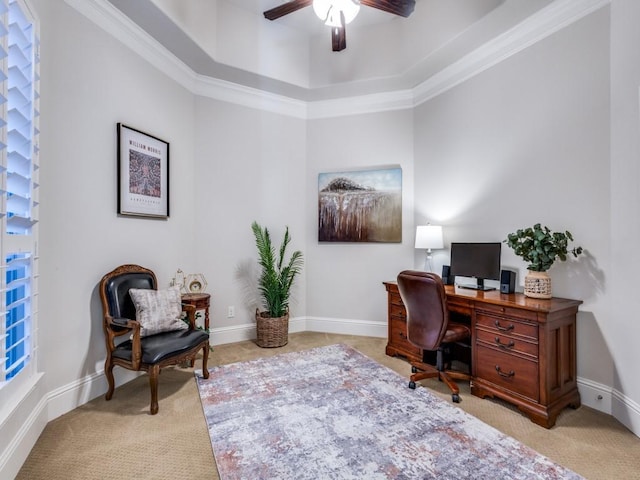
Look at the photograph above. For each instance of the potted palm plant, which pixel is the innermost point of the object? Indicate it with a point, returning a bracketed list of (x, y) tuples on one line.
[(274, 284), (540, 248)]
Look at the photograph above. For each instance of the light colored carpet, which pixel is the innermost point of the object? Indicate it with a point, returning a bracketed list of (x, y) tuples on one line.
[(119, 439)]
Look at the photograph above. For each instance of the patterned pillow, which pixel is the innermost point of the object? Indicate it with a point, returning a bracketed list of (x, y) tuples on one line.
[(158, 310)]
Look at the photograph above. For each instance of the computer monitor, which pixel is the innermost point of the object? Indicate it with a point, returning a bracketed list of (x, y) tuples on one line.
[(478, 260)]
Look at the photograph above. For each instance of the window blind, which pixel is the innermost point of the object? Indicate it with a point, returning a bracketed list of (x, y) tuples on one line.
[(19, 115)]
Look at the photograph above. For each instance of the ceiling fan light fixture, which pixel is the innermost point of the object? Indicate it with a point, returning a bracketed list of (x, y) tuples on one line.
[(329, 11)]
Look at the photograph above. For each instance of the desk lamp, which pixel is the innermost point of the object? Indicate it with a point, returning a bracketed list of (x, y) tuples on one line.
[(428, 237)]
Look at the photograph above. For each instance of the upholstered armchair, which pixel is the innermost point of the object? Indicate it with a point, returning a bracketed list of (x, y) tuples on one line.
[(143, 327)]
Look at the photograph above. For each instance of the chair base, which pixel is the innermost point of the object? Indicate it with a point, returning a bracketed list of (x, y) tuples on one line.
[(154, 371), (422, 371)]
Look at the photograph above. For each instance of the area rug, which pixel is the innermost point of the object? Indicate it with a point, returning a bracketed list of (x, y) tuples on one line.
[(333, 413)]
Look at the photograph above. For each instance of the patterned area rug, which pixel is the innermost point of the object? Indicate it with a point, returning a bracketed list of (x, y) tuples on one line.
[(333, 413)]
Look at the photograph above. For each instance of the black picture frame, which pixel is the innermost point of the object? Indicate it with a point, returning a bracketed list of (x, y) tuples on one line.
[(143, 174)]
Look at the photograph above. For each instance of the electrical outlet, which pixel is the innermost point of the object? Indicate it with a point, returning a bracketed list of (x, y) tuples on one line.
[(231, 312)]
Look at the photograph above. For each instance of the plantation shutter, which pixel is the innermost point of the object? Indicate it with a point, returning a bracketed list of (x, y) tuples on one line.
[(19, 119)]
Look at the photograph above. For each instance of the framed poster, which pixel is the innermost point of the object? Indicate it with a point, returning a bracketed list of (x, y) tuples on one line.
[(143, 174), (360, 206)]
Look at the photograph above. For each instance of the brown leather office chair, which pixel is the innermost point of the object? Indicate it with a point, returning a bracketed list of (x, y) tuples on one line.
[(429, 328), (151, 352)]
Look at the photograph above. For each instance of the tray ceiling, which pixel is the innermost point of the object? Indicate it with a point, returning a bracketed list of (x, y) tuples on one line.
[(231, 40)]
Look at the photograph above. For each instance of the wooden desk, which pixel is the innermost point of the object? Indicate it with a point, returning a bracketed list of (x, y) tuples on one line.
[(523, 349)]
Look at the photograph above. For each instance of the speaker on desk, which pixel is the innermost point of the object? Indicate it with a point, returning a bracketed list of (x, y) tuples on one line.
[(447, 278), (507, 281)]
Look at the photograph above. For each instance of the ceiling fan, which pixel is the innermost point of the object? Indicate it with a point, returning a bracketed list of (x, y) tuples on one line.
[(337, 13)]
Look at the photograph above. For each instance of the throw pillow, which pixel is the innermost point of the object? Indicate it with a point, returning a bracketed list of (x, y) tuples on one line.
[(158, 310)]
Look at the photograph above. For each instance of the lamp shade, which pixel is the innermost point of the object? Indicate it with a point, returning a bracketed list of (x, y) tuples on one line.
[(329, 11), (429, 236)]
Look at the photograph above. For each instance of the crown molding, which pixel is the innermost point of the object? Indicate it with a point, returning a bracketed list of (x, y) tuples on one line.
[(373, 103), (249, 97), (558, 15)]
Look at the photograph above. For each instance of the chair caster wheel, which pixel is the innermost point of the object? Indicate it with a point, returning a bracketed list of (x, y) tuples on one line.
[(412, 385), (456, 398), (413, 369)]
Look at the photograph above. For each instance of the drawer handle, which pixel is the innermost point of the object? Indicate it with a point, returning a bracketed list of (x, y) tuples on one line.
[(503, 374), (504, 329), (504, 345)]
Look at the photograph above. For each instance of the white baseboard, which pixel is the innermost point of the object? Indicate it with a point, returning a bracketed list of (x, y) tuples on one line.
[(626, 411), (21, 428), (365, 328), (595, 395), (38, 408), (70, 396), (612, 402)]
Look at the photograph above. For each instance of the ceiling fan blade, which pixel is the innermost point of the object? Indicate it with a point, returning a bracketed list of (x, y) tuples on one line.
[(338, 38), (286, 8), (404, 8)]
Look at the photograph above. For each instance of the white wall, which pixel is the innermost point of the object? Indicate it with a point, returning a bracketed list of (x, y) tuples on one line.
[(345, 280), (623, 326), (250, 165), (90, 81), (525, 142)]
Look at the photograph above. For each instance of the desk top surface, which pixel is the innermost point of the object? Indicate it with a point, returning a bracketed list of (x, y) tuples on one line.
[(514, 300)]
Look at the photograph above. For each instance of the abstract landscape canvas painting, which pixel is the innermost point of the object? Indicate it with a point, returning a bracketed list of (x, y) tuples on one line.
[(360, 206)]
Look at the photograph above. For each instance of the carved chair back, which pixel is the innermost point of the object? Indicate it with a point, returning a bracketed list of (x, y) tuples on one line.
[(115, 289)]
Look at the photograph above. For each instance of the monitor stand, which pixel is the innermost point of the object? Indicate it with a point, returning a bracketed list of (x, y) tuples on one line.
[(479, 286)]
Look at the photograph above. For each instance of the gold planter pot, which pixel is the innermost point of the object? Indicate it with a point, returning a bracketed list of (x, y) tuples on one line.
[(537, 285)]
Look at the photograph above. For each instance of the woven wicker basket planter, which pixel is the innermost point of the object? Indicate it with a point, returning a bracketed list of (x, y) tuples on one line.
[(272, 332), (537, 285)]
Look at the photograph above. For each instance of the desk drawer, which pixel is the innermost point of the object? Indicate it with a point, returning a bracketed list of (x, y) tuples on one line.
[(506, 326), (507, 371), (460, 307), (508, 343), (507, 311), (398, 337), (398, 311), (395, 298)]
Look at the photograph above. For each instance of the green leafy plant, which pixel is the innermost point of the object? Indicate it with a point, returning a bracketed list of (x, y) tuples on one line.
[(540, 247), (276, 277)]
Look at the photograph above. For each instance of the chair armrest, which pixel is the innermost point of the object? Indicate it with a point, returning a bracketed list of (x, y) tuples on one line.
[(118, 326), (124, 326), (131, 327), (122, 322)]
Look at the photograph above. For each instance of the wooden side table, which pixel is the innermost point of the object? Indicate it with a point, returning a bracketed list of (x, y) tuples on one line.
[(202, 302)]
